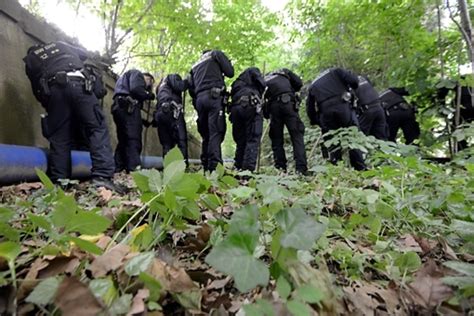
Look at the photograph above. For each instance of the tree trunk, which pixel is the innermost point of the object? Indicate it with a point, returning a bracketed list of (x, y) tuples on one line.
[(468, 34)]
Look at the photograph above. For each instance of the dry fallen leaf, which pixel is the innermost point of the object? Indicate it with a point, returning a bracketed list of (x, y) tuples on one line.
[(427, 289), (31, 278), (138, 303), (408, 243), (105, 195), (109, 261), (59, 265), (365, 298), (75, 299)]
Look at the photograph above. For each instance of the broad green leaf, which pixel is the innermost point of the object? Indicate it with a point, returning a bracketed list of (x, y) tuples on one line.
[(152, 284), (43, 294), (86, 245), (463, 228), (272, 192), (409, 261), (64, 210), (371, 196), (283, 287), (6, 214), (172, 156), (170, 199), (461, 282), (87, 223), (9, 250), (140, 263), (154, 180), (309, 294), (191, 300), (174, 172), (8, 232), (48, 184), (461, 267), (299, 230), (121, 305), (141, 180), (241, 192), (298, 308), (247, 271), (259, 308), (40, 221), (104, 289), (187, 187)]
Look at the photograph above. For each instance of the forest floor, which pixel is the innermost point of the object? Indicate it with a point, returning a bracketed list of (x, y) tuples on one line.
[(394, 240)]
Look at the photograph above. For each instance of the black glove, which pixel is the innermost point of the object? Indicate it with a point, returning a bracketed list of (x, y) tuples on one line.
[(154, 123), (151, 96), (146, 123)]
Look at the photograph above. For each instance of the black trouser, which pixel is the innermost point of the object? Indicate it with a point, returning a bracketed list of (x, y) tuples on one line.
[(129, 136), (285, 114), (467, 116), (405, 119), (171, 131), (247, 128), (68, 104), (211, 126), (335, 116), (372, 121)]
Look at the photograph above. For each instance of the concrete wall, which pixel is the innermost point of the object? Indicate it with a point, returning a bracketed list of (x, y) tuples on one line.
[(19, 110)]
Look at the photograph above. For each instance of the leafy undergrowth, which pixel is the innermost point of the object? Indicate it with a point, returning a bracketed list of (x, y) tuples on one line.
[(395, 240)]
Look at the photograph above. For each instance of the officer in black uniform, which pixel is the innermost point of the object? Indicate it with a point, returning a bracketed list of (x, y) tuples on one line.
[(246, 117), (400, 114), (282, 108), (65, 91), (131, 90), (169, 115), (330, 99), (209, 91), (371, 115)]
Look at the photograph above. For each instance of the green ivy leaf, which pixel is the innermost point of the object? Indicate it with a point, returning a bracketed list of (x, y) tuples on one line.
[(299, 230), (140, 263), (87, 223), (272, 192), (463, 228), (241, 192), (43, 294), (121, 305)]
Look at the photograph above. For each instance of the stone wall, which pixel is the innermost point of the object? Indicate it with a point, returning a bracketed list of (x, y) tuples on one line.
[(19, 110)]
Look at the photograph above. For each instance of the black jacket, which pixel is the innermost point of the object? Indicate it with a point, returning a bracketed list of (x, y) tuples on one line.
[(44, 61), (210, 70), (393, 96), (366, 92), (329, 84), (132, 83), (249, 82), (282, 81), (171, 89)]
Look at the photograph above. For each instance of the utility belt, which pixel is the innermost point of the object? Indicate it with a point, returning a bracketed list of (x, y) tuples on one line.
[(365, 107), (216, 93), (250, 100), (172, 107), (283, 98), (126, 102), (337, 99), (398, 106), (61, 78)]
